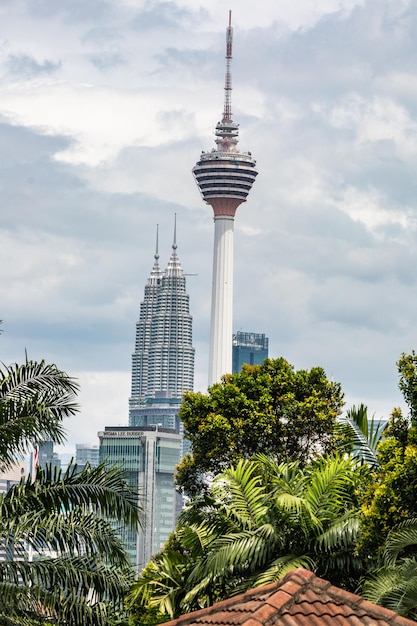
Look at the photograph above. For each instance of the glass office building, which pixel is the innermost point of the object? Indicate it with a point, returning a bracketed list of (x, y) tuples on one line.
[(249, 348), (149, 455)]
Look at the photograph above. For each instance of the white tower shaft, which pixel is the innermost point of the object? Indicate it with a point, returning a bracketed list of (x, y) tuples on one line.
[(225, 177), (220, 355)]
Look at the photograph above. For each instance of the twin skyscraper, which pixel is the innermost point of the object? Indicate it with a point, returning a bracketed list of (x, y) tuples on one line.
[(163, 360)]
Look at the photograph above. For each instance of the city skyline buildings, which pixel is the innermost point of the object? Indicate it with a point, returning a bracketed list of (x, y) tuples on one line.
[(225, 177), (163, 359), (329, 229), (151, 445)]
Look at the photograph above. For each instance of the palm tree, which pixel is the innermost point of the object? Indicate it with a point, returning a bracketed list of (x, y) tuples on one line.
[(34, 399), (77, 569), (260, 520), (364, 433), (394, 585)]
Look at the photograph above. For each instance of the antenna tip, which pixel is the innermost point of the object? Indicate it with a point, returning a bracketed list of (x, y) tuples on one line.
[(230, 17)]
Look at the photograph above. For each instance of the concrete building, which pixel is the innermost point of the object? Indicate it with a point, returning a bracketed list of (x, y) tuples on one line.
[(149, 455), (47, 456), (86, 453), (12, 475), (8, 477), (225, 177), (249, 348)]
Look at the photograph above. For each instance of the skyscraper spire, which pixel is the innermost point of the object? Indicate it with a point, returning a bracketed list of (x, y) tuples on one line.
[(140, 357), (174, 266), (225, 177), (156, 273), (174, 245), (157, 242), (163, 360)]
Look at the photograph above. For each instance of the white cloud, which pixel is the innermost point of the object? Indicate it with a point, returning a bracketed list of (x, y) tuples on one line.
[(367, 207), (103, 400), (99, 150)]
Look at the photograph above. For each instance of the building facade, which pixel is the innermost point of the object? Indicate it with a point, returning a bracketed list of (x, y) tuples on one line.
[(149, 455), (47, 456), (9, 476), (86, 453), (248, 348)]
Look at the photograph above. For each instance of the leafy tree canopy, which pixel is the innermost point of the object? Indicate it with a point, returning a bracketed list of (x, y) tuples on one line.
[(259, 520), (270, 408), (407, 369), (391, 496)]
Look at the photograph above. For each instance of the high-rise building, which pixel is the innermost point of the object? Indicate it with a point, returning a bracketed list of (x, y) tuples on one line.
[(249, 348), (225, 177), (163, 360), (86, 453), (162, 369), (9, 476), (47, 456), (149, 455)]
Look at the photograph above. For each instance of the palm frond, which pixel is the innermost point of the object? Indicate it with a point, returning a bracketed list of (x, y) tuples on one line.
[(246, 551), (365, 434), (399, 538), (280, 567), (245, 491), (342, 533), (394, 587), (34, 399), (102, 489), (329, 481)]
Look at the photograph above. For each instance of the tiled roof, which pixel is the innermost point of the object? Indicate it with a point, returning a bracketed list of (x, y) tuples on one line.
[(299, 599)]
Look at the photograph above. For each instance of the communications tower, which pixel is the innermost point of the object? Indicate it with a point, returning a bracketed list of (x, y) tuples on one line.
[(225, 177)]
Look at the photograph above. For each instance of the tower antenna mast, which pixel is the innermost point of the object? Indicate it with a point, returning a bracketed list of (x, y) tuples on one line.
[(227, 113)]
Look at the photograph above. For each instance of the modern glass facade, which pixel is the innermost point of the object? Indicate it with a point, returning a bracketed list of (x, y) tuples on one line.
[(249, 348), (149, 455)]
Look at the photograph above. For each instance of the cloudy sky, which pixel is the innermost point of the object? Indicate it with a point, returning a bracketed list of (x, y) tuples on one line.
[(105, 107)]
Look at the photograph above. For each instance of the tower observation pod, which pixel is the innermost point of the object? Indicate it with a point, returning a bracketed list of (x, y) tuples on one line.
[(225, 177)]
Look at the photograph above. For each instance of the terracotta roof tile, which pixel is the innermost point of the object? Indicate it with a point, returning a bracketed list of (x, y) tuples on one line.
[(299, 599)]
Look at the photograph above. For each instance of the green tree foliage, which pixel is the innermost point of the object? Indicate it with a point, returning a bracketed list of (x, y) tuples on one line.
[(270, 408), (391, 496), (34, 400), (65, 563), (259, 520), (407, 368), (394, 585)]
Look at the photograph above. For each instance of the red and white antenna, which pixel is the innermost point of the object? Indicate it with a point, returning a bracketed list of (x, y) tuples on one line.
[(227, 114)]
